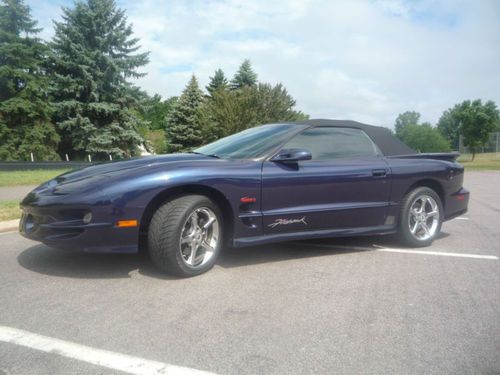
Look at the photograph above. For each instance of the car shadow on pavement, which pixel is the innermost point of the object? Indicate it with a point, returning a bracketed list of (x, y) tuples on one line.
[(285, 251), (54, 262), (307, 249)]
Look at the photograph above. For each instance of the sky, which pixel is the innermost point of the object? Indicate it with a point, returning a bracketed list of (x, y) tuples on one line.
[(359, 60)]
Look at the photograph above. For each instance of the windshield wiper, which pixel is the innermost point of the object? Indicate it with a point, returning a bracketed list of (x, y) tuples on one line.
[(209, 155)]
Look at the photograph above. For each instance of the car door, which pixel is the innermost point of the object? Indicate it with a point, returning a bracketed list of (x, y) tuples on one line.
[(344, 185)]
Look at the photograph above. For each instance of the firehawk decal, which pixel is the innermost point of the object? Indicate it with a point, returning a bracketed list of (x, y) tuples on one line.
[(287, 221)]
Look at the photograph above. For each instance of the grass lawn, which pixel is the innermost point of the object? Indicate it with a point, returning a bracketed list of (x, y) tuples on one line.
[(482, 162), (9, 210), (35, 177)]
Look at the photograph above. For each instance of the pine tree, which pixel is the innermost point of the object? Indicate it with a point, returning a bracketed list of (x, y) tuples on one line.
[(245, 76), (93, 56), (186, 121), (25, 112), (217, 82)]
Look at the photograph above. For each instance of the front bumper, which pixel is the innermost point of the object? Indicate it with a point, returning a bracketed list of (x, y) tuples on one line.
[(66, 228)]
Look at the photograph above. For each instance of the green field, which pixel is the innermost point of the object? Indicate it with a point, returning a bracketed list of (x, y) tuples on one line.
[(482, 162), (34, 177), (9, 210)]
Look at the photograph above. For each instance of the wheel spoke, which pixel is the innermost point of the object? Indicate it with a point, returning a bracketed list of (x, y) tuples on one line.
[(415, 227), (209, 223), (433, 213), (207, 247), (192, 257), (187, 239), (422, 206), (431, 202), (425, 228)]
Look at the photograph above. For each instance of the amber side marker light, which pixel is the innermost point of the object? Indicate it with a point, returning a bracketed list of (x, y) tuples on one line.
[(126, 223)]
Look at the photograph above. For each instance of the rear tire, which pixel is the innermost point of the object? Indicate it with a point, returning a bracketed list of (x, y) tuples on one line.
[(185, 235), (420, 218)]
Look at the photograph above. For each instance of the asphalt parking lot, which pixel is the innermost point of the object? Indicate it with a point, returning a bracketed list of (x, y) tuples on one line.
[(332, 306)]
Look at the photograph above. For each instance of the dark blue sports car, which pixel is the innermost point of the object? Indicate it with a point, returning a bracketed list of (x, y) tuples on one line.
[(277, 182)]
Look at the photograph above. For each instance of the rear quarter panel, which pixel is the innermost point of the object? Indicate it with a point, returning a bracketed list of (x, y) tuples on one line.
[(407, 173)]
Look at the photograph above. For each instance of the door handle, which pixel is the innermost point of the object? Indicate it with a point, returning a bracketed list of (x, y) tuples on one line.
[(379, 172)]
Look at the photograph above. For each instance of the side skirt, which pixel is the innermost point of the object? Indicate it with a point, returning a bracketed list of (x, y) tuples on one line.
[(325, 233)]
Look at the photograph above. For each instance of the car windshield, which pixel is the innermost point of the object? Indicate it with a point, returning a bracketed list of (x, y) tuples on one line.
[(249, 144)]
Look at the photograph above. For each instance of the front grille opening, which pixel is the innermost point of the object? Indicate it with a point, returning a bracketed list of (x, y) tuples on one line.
[(73, 214)]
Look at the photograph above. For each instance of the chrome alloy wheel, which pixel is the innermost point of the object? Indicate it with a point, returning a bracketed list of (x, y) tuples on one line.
[(423, 217), (199, 237)]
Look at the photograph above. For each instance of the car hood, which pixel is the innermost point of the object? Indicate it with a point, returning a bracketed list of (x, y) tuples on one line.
[(90, 178)]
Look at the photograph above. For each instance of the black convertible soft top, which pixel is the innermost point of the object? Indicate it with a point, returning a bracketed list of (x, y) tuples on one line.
[(383, 138)]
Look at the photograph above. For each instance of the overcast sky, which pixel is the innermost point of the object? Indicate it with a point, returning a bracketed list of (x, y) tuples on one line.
[(359, 60)]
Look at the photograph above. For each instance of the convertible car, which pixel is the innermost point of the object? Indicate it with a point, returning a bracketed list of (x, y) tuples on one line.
[(276, 182)]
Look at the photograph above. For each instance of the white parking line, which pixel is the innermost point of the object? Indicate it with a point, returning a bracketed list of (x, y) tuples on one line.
[(10, 232), (444, 254), (394, 250), (104, 358), (461, 218)]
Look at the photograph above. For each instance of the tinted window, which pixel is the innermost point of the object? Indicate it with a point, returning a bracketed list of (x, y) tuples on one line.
[(327, 143), (250, 143)]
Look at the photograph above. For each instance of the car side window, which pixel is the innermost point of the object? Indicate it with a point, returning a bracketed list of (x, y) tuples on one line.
[(327, 143)]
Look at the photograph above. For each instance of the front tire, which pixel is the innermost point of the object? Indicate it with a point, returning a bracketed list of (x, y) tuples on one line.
[(421, 217), (185, 235)]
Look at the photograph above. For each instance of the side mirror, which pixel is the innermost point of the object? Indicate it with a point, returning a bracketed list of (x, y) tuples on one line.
[(292, 155)]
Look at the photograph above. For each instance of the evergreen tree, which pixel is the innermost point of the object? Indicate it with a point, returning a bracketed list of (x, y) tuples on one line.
[(25, 111), (245, 76), (187, 119), (217, 82), (94, 55)]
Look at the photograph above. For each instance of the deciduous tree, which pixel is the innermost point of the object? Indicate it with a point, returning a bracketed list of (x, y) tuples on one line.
[(424, 138), (234, 111), (471, 119), (405, 119)]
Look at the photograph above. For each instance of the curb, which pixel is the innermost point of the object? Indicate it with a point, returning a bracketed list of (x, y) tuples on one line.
[(8, 226)]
